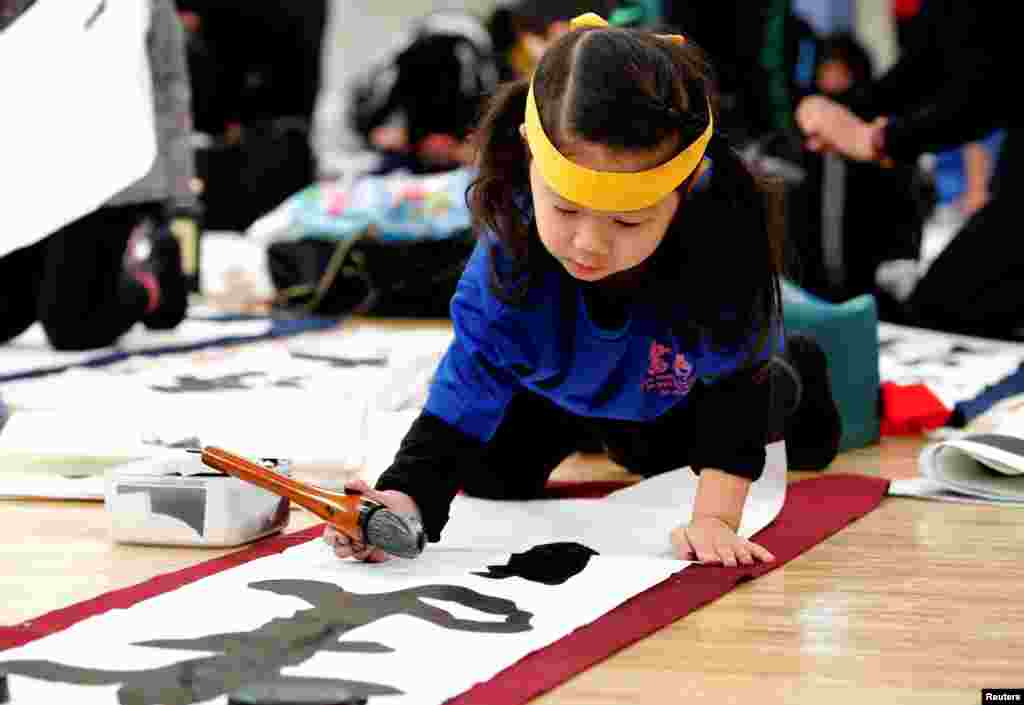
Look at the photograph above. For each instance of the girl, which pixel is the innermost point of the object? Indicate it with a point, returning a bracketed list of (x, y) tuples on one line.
[(624, 282)]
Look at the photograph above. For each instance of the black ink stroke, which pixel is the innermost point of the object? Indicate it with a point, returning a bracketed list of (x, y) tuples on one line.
[(238, 381), (190, 383), (549, 563), (344, 362), (91, 19), (187, 504), (261, 654)]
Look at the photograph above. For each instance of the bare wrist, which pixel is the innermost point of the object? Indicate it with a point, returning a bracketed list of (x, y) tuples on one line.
[(730, 522), (721, 497)]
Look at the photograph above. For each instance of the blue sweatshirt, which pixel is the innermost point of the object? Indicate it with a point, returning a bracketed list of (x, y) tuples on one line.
[(551, 346)]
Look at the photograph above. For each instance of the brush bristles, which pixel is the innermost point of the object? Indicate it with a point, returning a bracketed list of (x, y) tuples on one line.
[(398, 534)]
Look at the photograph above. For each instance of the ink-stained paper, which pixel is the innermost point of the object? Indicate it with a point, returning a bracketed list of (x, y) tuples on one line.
[(336, 397), (77, 122), (633, 521), (406, 631), (31, 352), (955, 368), (403, 632)]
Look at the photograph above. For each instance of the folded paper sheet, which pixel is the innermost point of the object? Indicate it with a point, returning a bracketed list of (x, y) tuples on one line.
[(976, 468)]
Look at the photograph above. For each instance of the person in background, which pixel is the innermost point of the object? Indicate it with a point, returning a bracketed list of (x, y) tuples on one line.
[(359, 126), (961, 174), (523, 29), (848, 217), (252, 61), (413, 105), (758, 50), (87, 283), (254, 69), (844, 63), (625, 280), (950, 90)]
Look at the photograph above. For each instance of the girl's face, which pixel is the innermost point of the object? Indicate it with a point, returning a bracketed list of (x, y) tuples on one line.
[(593, 245)]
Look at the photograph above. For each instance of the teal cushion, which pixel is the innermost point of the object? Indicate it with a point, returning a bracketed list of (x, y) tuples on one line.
[(848, 333)]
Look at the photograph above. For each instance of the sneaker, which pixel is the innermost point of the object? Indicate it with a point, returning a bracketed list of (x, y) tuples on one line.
[(155, 250), (814, 426)]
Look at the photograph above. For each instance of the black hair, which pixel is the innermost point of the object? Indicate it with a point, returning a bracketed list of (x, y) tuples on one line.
[(845, 47), (629, 89), (536, 16)]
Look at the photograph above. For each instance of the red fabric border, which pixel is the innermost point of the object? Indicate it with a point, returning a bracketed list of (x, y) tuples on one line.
[(814, 510), (57, 620)]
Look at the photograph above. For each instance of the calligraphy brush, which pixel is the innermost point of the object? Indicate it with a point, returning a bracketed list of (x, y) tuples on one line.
[(361, 519)]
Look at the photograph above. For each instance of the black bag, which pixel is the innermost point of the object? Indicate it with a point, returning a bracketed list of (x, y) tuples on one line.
[(414, 279)]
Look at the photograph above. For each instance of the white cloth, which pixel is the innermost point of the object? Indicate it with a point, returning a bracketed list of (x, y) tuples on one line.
[(75, 130)]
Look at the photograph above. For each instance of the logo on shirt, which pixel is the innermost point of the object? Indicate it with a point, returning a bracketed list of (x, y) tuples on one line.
[(667, 375)]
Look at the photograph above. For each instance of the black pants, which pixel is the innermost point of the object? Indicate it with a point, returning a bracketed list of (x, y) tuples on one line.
[(73, 282), (520, 457), (976, 285)]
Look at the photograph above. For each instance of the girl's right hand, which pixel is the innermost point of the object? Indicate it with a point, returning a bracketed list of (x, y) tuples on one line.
[(712, 540), (344, 546)]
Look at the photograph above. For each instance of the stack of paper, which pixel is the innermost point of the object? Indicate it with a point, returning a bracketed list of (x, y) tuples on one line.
[(983, 468)]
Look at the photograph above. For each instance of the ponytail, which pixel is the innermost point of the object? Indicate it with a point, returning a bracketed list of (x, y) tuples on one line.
[(503, 167), (499, 193), (750, 291)]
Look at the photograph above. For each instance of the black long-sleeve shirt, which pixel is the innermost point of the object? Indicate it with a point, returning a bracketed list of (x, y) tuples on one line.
[(730, 433), (954, 87)]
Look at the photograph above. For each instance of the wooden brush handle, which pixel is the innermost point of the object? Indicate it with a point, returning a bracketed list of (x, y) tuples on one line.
[(340, 510)]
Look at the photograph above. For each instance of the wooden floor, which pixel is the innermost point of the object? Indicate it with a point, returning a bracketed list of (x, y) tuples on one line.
[(917, 602)]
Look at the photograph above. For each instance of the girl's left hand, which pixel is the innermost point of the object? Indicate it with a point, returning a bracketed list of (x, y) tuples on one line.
[(711, 540)]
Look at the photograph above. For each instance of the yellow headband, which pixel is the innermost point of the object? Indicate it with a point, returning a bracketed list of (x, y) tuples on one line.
[(609, 190), (592, 19)]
